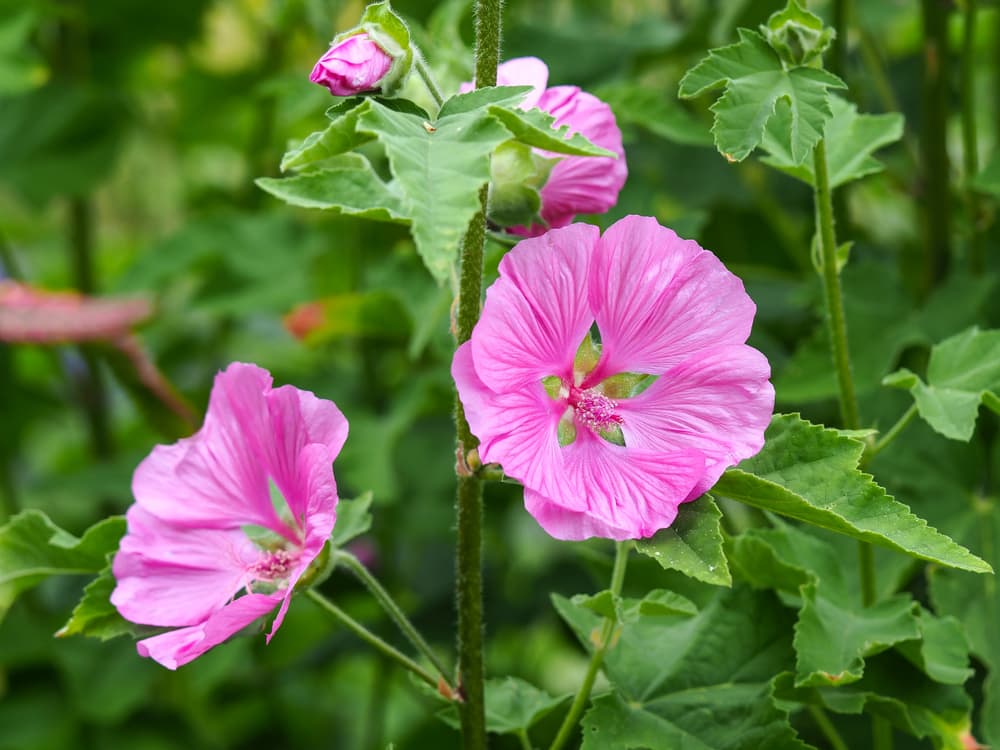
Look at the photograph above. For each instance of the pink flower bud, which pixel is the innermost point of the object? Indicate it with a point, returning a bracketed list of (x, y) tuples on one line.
[(351, 66)]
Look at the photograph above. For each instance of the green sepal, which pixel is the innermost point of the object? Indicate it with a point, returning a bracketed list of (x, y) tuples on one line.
[(391, 33), (517, 174), (798, 36)]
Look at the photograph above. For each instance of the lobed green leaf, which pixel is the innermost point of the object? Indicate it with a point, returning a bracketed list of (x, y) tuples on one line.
[(692, 544)]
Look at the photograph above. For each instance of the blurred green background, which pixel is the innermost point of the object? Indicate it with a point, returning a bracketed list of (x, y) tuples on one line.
[(130, 135)]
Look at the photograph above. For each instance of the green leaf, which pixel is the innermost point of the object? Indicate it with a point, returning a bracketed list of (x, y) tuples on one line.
[(942, 653), (537, 128), (95, 615), (392, 34), (478, 99), (692, 681), (354, 518), (439, 170), (811, 474), (988, 180), (347, 186), (32, 548), (340, 136), (512, 706), (851, 139), (650, 109), (660, 603), (692, 544), (756, 85), (963, 372)]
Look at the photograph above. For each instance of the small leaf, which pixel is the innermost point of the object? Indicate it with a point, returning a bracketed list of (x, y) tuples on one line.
[(340, 136), (756, 83), (347, 185), (811, 474), (512, 706), (963, 372), (942, 653), (32, 548), (95, 615), (660, 603), (536, 128), (603, 603), (692, 544), (477, 99), (354, 518)]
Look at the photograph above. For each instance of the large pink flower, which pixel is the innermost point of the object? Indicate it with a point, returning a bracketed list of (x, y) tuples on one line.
[(576, 184), (555, 414), (208, 524)]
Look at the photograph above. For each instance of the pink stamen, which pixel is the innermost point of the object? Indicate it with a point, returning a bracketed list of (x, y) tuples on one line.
[(593, 409), (273, 565)]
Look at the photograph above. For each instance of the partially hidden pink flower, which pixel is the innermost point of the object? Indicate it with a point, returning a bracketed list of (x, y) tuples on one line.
[(601, 451), (352, 66), (576, 184), (226, 522)]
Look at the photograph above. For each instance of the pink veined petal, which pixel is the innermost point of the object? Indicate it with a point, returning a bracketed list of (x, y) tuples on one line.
[(218, 477), (719, 403), (537, 313), (659, 299), (518, 430), (170, 576), (569, 525), (632, 491), (299, 419), (178, 647)]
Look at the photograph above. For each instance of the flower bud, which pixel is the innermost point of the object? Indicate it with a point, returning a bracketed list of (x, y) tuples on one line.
[(351, 66), (798, 36)]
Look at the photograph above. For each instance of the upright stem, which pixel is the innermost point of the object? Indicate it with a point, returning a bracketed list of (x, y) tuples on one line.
[(936, 194), (469, 500), (841, 20), (970, 153), (607, 630), (389, 605), (832, 294)]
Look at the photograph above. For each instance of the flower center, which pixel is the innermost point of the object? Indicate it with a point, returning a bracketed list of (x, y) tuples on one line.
[(273, 565), (594, 410)]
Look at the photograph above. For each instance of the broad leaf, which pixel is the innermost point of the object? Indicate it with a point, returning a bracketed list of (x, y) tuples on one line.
[(537, 128), (692, 681), (659, 114), (963, 372), (477, 99), (340, 136), (512, 706), (347, 185), (757, 85), (32, 548), (95, 615), (692, 544), (354, 518), (811, 474), (439, 169), (851, 139)]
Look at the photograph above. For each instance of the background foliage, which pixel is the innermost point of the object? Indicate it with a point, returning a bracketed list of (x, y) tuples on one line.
[(130, 136)]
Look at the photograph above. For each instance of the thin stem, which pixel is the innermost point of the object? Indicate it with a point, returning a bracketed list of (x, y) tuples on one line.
[(428, 78), (522, 735), (891, 434), (607, 630), (469, 495), (833, 297), (866, 562), (970, 149), (389, 605), (371, 639), (827, 728), (881, 734), (841, 23)]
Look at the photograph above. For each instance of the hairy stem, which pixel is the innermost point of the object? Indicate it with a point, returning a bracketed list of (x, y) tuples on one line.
[(428, 78), (607, 630), (392, 609), (970, 146), (371, 639), (469, 496)]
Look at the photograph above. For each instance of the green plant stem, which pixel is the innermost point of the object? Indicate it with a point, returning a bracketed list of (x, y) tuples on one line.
[(827, 728), (891, 434), (371, 639), (389, 605), (832, 294), (607, 630), (522, 735), (970, 147), (881, 734), (469, 494), (428, 78), (841, 23), (866, 560), (935, 193)]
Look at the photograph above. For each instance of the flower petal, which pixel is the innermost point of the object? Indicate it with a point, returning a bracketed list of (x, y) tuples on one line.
[(536, 314), (617, 491), (719, 403), (518, 430), (659, 299), (171, 576), (178, 647)]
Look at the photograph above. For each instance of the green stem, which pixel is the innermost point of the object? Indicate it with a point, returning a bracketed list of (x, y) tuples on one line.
[(881, 734), (469, 494), (389, 605), (371, 639), (832, 294), (970, 150), (891, 434), (841, 22), (522, 735), (428, 78), (827, 728), (607, 630), (866, 562)]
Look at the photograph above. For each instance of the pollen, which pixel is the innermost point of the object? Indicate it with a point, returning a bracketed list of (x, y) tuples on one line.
[(273, 565), (594, 410)]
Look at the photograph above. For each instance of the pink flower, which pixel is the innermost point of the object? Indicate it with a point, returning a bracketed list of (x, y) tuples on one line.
[(553, 412), (187, 554), (351, 66), (576, 184)]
